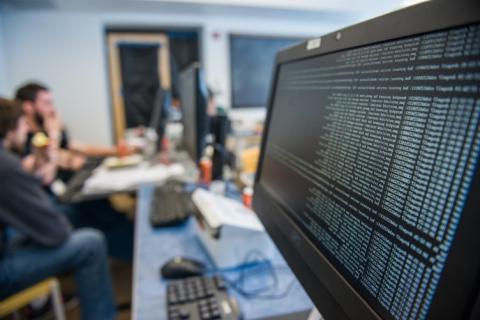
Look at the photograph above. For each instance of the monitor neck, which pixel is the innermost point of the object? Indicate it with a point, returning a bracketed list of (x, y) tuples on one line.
[(315, 315)]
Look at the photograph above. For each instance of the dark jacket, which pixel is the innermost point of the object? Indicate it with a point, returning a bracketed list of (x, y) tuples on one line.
[(25, 206)]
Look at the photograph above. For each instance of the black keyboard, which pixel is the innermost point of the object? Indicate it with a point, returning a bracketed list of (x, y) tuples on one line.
[(171, 205), (200, 298)]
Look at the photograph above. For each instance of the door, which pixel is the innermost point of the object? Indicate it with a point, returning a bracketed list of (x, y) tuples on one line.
[(139, 67)]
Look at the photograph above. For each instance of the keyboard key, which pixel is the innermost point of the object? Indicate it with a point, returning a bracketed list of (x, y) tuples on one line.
[(184, 313)]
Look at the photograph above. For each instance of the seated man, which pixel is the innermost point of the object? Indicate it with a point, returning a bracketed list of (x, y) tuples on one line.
[(66, 154), (38, 106), (45, 244)]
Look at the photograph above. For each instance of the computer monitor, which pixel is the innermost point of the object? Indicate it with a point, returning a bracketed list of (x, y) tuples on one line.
[(252, 58), (159, 114), (194, 100), (369, 179)]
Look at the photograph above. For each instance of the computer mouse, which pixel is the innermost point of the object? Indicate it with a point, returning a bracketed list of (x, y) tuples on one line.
[(181, 267)]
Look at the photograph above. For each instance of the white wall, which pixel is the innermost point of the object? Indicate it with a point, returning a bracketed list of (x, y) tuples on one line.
[(67, 51), (3, 66)]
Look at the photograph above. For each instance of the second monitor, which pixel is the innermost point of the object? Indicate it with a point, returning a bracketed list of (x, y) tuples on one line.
[(194, 101)]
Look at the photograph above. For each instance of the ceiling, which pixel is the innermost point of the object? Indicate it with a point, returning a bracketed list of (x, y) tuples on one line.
[(353, 10), (351, 7)]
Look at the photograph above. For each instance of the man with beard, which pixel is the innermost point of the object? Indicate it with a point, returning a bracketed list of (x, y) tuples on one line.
[(41, 115)]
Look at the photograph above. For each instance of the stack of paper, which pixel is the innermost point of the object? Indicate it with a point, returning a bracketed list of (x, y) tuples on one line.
[(130, 178)]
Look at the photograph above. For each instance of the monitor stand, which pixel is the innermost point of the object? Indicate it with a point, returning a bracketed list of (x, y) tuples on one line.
[(315, 315), (307, 315)]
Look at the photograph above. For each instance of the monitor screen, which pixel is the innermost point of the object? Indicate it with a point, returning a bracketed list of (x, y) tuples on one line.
[(252, 59), (371, 154)]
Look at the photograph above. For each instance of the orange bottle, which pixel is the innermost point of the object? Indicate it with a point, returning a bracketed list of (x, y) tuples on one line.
[(205, 170), (247, 197)]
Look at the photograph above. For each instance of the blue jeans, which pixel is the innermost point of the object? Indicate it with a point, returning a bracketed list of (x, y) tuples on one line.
[(83, 253)]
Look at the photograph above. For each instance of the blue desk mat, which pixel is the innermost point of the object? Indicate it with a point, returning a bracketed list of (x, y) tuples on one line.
[(154, 247)]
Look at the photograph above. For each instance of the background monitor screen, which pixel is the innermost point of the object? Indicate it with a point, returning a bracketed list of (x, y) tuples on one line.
[(371, 152), (252, 59)]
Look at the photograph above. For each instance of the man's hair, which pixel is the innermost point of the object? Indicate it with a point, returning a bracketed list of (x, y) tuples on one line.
[(10, 112), (29, 91)]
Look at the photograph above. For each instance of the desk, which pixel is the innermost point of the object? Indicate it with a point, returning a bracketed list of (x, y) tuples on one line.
[(153, 247), (76, 192)]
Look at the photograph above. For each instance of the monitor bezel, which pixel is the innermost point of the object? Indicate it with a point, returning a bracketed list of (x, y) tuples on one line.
[(460, 283)]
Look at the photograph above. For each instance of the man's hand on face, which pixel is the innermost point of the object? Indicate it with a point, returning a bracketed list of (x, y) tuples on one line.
[(52, 123)]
